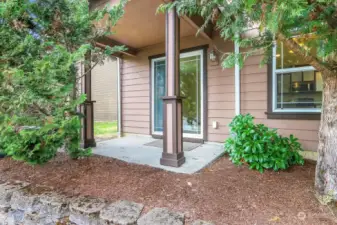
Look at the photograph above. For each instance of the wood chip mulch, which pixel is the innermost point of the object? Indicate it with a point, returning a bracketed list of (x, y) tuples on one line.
[(222, 193)]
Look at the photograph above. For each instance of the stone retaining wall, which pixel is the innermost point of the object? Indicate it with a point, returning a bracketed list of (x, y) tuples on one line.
[(20, 203)]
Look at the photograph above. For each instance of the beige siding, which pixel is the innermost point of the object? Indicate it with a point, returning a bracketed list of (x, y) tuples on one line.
[(135, 87), (220, 95), (104, 90)]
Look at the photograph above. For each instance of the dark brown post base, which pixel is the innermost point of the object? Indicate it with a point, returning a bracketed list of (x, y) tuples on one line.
[(88, 143), (174, 160), (87, 132), (173, 154)]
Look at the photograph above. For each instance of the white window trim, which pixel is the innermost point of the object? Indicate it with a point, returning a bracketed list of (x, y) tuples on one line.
[(274, 85), (182, 55)]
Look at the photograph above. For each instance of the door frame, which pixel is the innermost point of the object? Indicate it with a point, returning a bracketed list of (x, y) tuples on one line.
[(199, 50)]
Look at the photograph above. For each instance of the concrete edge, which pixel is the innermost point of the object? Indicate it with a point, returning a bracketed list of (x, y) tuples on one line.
[(309, 155), (211, 162)]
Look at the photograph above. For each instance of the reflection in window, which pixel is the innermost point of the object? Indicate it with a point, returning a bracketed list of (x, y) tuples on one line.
[(190, 88), (299, 90), (287, 58), (299, 87)]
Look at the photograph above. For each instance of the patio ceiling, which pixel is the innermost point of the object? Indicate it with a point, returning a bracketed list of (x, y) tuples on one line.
[(141, 26)]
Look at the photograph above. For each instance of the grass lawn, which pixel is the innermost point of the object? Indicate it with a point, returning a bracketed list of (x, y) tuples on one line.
[(105, 129)]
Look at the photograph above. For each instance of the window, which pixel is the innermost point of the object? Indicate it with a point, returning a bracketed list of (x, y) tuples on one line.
[(296, 86)]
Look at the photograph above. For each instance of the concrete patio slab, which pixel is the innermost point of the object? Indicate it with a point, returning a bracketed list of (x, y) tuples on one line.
[(132, 149), (187, 146)]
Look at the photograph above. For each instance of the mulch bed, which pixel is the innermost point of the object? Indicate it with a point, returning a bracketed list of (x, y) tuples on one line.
[(222, 193)]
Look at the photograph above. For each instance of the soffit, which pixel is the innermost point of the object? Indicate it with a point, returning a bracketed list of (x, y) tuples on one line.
[(141, 26)]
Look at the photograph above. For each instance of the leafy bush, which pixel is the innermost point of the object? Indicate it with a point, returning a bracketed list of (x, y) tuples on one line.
[(260, 147), (2, 153)]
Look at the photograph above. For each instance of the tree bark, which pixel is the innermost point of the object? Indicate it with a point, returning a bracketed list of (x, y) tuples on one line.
[(326, 167)]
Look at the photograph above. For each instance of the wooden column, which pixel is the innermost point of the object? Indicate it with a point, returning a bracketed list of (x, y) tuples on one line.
[(173, 154), (87, 108)]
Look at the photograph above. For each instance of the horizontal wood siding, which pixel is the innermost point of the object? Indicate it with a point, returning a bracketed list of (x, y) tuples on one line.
[(221, 96), (254, 101), (136, 87), (135, 80), (135, 97), (104, 90)]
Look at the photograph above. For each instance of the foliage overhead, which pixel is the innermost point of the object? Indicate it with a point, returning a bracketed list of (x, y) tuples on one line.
[(41, 42), (312, 20), (260, 147)]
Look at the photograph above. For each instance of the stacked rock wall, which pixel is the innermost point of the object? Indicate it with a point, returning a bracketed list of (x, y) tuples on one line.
[(23, 204)]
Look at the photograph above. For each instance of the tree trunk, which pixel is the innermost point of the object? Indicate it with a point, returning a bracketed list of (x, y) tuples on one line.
[(326, 168)]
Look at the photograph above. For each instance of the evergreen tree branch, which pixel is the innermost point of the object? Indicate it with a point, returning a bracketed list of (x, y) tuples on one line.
[(88, 71), (312, 60), (43, 111)]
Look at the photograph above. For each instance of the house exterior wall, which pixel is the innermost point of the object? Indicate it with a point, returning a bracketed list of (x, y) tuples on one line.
[(104, 90), (136, 92), (254, 101)]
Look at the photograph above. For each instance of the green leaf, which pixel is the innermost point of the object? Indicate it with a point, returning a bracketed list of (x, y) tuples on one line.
[(250, 3)]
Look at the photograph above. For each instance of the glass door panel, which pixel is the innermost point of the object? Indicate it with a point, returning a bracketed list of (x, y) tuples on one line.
[(159, 84), (190, 88)]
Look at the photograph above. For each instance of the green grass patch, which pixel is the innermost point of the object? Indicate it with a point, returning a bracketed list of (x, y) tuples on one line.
[(105, 129)]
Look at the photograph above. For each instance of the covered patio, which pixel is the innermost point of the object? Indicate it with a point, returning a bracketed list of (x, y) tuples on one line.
[(139, 28), (147, 150)]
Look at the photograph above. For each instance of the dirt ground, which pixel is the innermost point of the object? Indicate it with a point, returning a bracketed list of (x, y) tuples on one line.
[(222, 193)]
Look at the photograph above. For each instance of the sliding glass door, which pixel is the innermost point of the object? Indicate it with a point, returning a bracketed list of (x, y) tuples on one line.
[(191, 83)]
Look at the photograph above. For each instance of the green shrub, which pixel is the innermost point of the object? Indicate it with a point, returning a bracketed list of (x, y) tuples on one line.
[(2, 153), (260, 147), (39, 144), (44, 44)]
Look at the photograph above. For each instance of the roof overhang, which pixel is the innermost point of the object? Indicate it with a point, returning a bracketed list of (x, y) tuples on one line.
[(141, 26)]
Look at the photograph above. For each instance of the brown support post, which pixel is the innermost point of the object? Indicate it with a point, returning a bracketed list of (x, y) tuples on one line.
[(173, 154), (87, 108)]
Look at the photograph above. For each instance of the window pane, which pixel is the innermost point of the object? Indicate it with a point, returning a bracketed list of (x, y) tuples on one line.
[(319, 81), (284, 83), (297, 91), (296, 76), (308, 75), (287, 58)]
